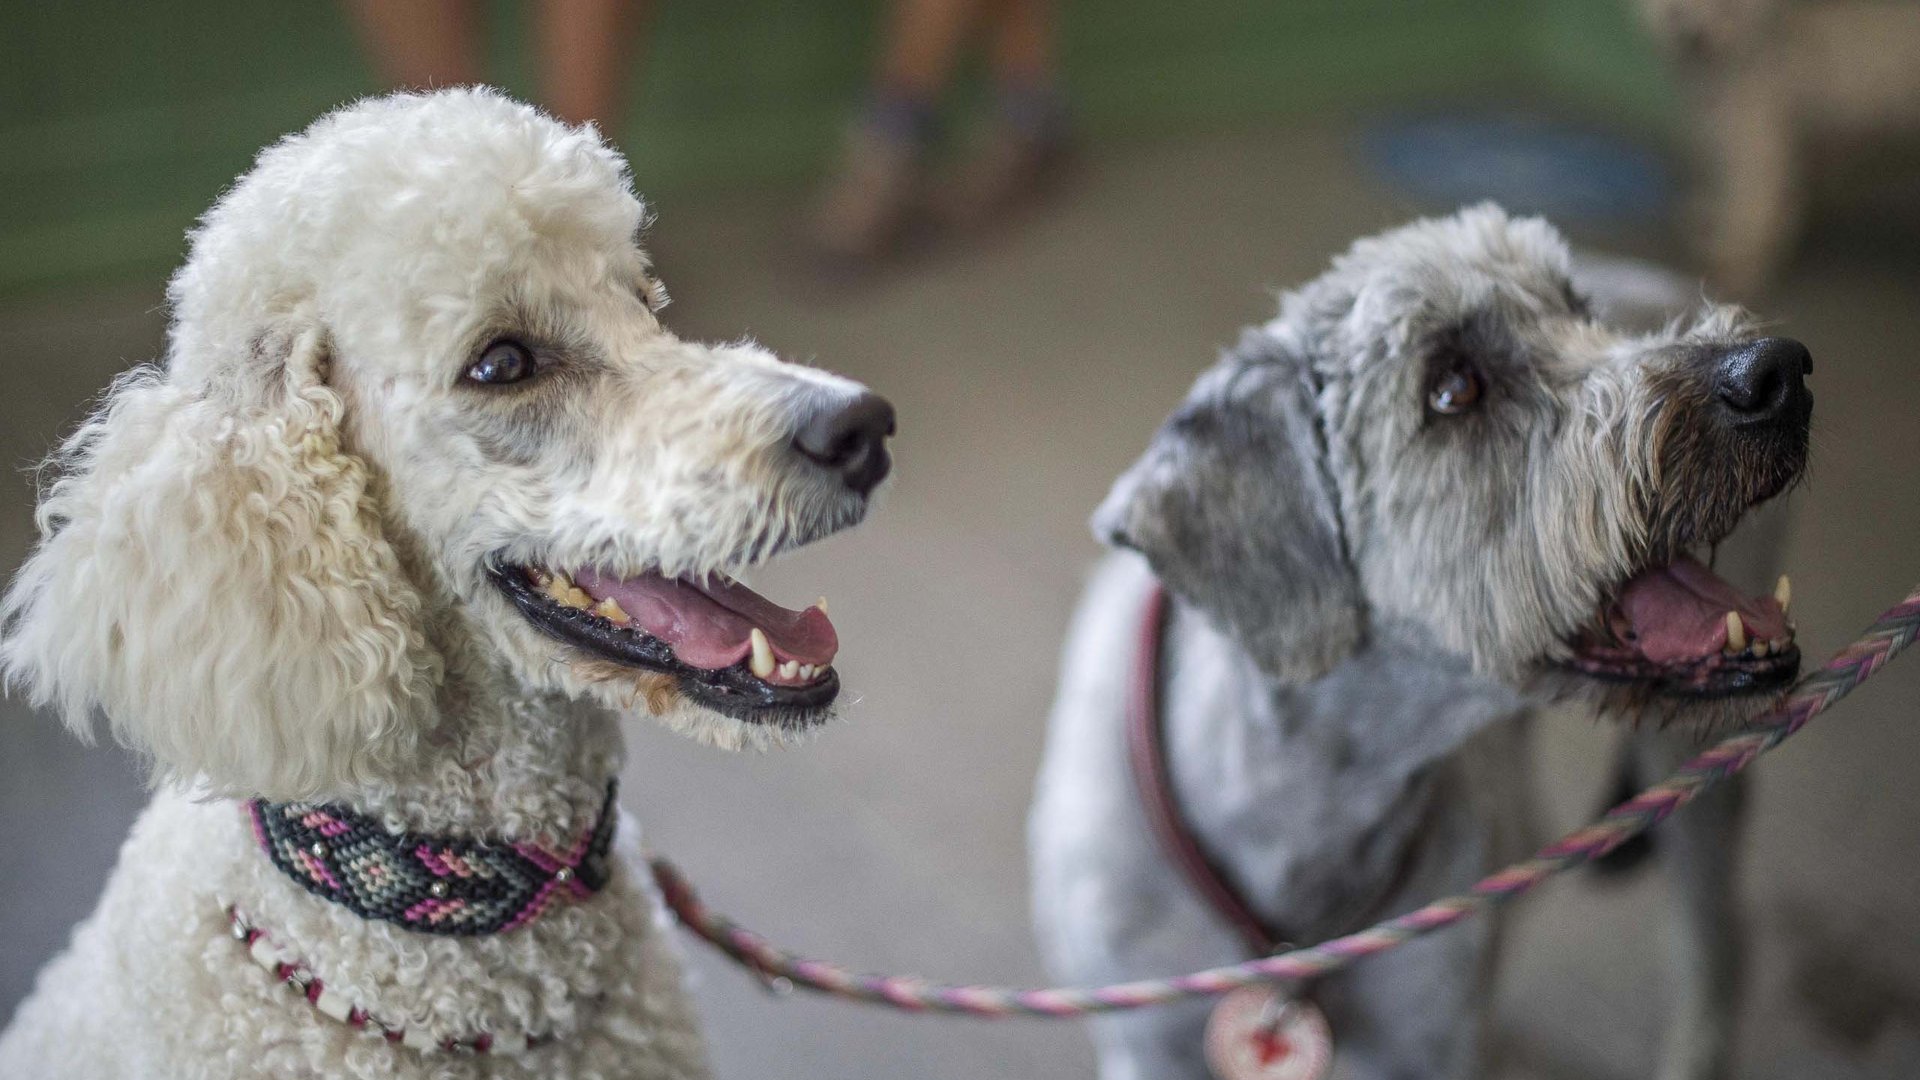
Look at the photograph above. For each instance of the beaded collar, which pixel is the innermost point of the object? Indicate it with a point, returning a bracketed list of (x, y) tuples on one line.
[(433, 884)]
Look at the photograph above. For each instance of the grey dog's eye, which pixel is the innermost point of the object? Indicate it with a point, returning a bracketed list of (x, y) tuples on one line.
[(1456, 389), (505, 361)]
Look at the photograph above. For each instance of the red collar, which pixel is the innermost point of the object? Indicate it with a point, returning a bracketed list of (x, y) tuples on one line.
[(1147, 752)]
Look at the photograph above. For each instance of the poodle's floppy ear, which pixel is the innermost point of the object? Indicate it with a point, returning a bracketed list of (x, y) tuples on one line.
[(212, 574), (1234, 508)]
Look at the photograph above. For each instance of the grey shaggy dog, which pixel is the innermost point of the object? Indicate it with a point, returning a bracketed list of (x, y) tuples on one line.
[(1436, 492)]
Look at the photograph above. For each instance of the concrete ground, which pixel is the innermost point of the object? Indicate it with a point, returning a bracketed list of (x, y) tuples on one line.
[(1028, 369)]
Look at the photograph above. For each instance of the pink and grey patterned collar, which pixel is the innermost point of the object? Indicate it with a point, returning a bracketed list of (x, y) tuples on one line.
[(433, 884)]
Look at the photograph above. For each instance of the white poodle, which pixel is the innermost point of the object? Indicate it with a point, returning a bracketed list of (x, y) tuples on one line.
[(421, 498)]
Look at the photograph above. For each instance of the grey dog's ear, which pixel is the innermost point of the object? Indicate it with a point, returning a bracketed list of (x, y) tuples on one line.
[(1234, 509)]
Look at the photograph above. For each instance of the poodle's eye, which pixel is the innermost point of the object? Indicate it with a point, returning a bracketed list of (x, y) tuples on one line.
[(505, 361), (1456, 389)]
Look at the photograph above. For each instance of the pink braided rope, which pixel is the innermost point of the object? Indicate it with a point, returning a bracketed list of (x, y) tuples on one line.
[(1892, 632)]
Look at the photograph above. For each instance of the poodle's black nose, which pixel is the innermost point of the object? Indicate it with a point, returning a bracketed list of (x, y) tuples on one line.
[(1764, 381), (849, 436)]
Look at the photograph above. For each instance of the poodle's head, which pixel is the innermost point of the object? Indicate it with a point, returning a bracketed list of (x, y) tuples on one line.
[(420, 431)]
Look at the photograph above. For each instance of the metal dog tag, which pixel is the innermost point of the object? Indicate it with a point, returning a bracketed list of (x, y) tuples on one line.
[(1258, 1033)]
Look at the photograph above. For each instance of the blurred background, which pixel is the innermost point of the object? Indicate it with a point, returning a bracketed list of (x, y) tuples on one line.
[(1030, 227)]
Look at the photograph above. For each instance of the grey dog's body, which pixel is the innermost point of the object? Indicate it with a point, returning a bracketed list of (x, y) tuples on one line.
[(1368, 603), (1330, 805), (1395, 780)]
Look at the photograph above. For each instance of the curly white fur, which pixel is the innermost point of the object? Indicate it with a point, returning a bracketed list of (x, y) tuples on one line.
[(207, 582), (264, 560)]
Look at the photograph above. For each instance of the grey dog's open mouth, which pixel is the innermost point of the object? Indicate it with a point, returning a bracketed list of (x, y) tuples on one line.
[(1683, 630), (729, 648)]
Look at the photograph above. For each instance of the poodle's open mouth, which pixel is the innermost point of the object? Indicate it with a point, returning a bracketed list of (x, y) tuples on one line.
[(731, 649), (1684, 631)]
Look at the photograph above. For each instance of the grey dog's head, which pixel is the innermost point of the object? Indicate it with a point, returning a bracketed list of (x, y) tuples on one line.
[(1437, 439)]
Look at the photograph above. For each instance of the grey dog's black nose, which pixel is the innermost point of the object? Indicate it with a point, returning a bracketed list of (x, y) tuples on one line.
[(1764, 380), (849, 436)]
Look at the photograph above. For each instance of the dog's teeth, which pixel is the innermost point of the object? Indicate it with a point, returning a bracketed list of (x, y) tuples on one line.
[(566, 592), (821, 604), (1736, 632), (1783, 592), (790, 670), (610, 610), (762, 663), (806, 671), (1760, 647)]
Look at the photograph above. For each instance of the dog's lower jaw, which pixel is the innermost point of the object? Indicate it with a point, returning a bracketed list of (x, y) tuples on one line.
[(625, 691), (703, 725), (644, 691), (1642, 706)]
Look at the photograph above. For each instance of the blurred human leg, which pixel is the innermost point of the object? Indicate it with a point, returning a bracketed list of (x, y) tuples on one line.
[(587, 49), (877, 188), (1026, 140), (420, 43), (1021, 46), (923, 43)]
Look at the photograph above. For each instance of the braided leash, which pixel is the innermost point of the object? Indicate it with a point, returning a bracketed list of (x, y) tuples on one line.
[(1893, 631)]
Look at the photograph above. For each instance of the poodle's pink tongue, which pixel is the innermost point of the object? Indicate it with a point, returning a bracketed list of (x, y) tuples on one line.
[(1679, 612), (711, 626)]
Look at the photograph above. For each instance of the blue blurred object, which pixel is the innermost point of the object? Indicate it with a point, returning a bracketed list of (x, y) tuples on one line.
[(1527, 165)]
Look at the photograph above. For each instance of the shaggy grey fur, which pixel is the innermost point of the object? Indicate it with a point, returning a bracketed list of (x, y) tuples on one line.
[(1370, 598)]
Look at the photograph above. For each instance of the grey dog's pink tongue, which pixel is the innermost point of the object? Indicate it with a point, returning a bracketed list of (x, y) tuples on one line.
[(710, 626), (1679, 612)]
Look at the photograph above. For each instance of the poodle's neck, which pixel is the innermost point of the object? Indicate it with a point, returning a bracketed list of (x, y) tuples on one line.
[(504, 764)]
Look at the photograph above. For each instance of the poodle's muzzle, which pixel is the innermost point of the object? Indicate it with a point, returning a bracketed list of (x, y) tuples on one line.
[(725, 646)]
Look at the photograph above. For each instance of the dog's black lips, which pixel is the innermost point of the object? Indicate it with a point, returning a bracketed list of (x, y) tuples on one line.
[(1719, 677), (732, 691)]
